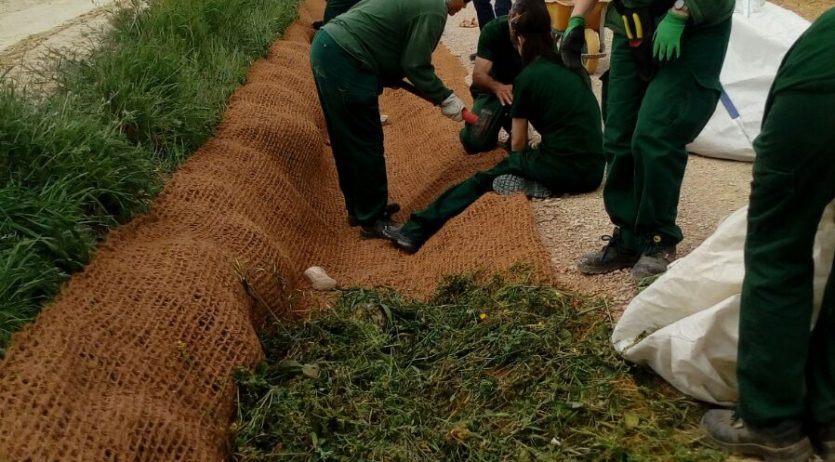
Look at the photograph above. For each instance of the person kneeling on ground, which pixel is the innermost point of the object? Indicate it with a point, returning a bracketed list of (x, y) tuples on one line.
[(560, 104), (786, 374), (352, 56), (496, 66)]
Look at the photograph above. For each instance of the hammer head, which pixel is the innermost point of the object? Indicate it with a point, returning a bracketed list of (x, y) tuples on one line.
[(481, 122)]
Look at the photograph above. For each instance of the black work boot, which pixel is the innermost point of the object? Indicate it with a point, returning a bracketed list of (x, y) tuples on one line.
[(824, 438), (406, 243), (383, 228), (391, 209), (612, 257), (784, 442), (655, 259)]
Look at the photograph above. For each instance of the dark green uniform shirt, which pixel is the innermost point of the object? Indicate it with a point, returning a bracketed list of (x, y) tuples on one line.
[(495, 45), (561, 106), (702, 12), (395, 39)]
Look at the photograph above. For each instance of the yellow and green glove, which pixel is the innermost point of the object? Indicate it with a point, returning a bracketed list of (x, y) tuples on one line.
[(666, 44)]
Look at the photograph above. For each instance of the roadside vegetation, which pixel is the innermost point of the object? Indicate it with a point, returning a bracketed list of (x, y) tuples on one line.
[(484, 371), (95, 150)]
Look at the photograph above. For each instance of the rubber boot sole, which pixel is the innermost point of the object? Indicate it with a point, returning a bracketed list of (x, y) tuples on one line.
[(382, 234), (597, 269), (586, 267), (511, 184), (799, 452)]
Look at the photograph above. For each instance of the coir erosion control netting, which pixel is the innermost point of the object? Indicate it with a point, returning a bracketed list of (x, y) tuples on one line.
[(133, 361)]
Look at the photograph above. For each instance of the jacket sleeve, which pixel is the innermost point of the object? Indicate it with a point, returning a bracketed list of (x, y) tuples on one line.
[(709, 12), (423, 36)]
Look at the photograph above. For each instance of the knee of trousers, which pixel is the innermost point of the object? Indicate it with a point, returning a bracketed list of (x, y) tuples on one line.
[(653, 144), (473, 144)]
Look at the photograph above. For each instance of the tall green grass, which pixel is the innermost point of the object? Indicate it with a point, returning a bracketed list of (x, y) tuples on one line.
[(95, 150)]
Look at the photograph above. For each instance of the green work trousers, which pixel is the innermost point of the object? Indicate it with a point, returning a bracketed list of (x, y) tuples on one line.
[(647, 128), (348, 94), (485, 139), (334, 8), (560, 174), (784, 371)]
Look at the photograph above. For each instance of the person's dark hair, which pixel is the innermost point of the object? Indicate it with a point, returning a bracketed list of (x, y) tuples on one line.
[(530, 20)]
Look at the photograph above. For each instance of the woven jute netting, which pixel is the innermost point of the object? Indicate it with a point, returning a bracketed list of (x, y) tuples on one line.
[(134, 359)]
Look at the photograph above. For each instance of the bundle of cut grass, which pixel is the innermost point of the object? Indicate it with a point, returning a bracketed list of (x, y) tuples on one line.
[(502, 370)]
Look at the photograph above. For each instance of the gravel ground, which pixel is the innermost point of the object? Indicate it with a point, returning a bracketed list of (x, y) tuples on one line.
[(572, 225), (809, 9), (41, 31)]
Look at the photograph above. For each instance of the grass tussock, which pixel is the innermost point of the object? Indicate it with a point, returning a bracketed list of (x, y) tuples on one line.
[(95, 150), (502, 370)]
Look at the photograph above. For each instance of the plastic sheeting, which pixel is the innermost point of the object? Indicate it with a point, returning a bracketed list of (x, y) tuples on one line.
[(685, 325), (760, 36)]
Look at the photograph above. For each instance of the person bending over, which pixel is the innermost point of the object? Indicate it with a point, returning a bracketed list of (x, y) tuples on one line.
[(559, 103), (353, 56)]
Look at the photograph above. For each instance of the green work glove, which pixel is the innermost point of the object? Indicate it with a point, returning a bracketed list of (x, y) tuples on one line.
[(666, 44), (573, 40)]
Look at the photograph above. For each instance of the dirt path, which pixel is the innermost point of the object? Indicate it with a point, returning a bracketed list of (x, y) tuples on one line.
[(572, 225), (34, 32)]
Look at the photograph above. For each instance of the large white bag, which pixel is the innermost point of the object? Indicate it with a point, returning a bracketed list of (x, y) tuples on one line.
[(761, 35), (685, 325)]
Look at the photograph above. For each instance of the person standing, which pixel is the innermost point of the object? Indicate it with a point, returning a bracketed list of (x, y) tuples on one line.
[(661, 90), (560, 105), (377, 42), (486, 12), (786, 373), (496, 66)]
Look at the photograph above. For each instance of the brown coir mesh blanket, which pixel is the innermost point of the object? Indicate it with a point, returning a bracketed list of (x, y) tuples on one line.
[(134, 359)]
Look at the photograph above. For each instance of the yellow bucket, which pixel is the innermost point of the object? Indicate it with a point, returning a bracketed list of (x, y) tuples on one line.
[(560, 11)]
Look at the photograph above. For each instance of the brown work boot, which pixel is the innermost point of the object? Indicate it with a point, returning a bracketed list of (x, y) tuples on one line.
[(612, 257), (785, 442), (654, 260)]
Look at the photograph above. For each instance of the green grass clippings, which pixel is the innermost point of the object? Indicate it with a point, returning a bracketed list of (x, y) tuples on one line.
[(499, 371)]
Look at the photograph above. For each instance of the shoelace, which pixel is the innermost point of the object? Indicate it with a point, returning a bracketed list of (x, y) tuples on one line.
[(610, 241)]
